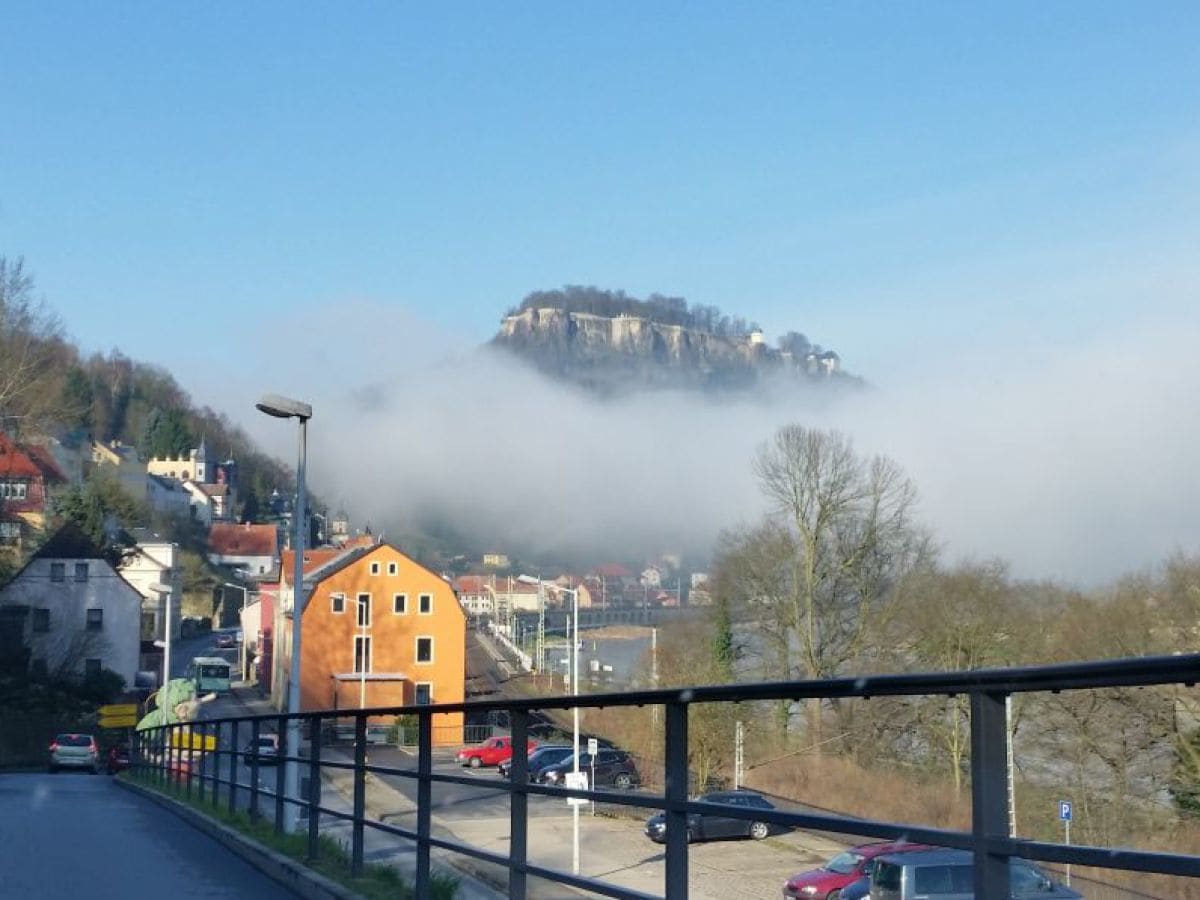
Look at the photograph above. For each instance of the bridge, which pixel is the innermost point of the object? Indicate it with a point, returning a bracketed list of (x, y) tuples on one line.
[(223, 780)]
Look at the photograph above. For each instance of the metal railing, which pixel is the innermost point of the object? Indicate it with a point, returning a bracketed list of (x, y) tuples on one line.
[(989, 841)]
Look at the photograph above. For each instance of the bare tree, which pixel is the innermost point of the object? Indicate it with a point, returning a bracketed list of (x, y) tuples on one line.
[(965, 618), (852, 539), (31, 349)]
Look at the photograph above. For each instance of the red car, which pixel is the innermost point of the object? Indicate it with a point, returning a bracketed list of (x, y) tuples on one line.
[(118, 758), (491, 752), (827, 881)]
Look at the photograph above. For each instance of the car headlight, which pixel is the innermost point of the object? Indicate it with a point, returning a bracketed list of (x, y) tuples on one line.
[(552, 776), (809, 889)]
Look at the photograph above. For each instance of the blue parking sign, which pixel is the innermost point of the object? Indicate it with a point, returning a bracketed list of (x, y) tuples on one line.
[(1064, 810)]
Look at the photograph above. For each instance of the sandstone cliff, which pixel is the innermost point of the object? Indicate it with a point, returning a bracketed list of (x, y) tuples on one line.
[(627, 351)]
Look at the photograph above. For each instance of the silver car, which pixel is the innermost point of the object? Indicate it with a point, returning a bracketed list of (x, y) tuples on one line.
[(74, 751)]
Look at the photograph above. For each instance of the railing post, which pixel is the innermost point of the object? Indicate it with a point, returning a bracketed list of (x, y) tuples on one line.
[(216, 766), (200, 785), (676, 795), (989, 793), (160, 742), (189, 735), (518, 852), (255, 733), (280, 772), (360, 794), (424, 799), (234, 728), (314, 787)]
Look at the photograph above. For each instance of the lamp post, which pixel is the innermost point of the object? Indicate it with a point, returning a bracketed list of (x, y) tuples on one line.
[(284, 408), (241, 626), (164, 599), (529, 579)]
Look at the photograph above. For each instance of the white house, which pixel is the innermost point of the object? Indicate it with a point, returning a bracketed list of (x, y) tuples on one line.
[(651, 577), (167, 496), (252, 548), (80, 615), (154, 565), (203, 508)]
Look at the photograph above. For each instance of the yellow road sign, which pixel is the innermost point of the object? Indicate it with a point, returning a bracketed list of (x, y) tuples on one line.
[(194, 741), (115, 710), (118, 721)]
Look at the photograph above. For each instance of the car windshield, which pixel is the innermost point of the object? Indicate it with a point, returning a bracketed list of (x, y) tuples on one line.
[(74, 740), (844, 863)]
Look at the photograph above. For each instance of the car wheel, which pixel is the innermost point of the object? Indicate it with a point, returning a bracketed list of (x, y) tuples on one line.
[(475, 762), (623, 781), (759, 830)]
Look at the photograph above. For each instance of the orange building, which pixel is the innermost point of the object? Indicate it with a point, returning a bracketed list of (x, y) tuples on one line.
[(379, 630)]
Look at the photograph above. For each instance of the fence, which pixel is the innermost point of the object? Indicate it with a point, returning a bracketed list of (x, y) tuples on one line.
[(157, 754)]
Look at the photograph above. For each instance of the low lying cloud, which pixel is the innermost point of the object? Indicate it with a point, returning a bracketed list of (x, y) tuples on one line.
[(1078, 466)]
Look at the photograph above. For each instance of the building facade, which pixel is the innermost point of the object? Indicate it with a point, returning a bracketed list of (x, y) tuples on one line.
[(80, 616), (378, 630)]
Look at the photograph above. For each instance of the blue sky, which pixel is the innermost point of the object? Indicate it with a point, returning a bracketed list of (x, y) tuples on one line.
[(990, 210), (876, 175)]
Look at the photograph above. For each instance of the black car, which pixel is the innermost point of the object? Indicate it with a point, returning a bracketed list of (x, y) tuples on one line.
[(610, 768), (708, 826), (542, 756)]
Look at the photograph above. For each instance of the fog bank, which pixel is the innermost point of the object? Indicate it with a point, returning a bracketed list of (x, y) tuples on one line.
[(1076, 465)]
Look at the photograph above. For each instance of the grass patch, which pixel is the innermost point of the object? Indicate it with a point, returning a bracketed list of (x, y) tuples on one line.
[(378, 881)]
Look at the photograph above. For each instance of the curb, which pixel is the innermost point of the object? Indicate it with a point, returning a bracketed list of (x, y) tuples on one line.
[(293, 875)]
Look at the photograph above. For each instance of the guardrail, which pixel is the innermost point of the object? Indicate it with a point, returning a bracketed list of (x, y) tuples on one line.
[(988, 838)]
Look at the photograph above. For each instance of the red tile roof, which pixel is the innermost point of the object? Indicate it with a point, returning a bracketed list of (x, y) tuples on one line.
[(230, 539), (14, 462), (469, 584), (313, 559), (612, 570), (44, 460)]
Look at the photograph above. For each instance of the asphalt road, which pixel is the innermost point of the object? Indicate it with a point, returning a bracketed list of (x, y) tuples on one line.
[(74, 836)]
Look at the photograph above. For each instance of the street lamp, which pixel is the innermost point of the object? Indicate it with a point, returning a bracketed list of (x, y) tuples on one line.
[(241, 626), (529, 579), (164, 600), (285, 408)]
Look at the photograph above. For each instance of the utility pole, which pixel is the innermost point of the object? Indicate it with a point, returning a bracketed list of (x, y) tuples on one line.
[(541, 629), (654, 669), (1012, 786)]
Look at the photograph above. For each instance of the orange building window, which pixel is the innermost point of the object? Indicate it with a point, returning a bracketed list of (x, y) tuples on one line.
[(424, 650), (362, 653)]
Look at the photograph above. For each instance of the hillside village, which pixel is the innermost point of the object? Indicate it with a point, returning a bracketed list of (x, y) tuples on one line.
[(88, 595)]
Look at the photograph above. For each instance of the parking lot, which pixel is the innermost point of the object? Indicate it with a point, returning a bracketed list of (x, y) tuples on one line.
[(612, 845)]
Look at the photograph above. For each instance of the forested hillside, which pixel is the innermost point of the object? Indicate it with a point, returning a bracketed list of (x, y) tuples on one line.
[(49, 387)]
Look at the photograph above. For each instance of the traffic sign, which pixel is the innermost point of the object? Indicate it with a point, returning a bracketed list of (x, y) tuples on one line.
[(117, 710), (593, 746), (577, 781), (194, 741), (118, 721), (1064, 810)]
